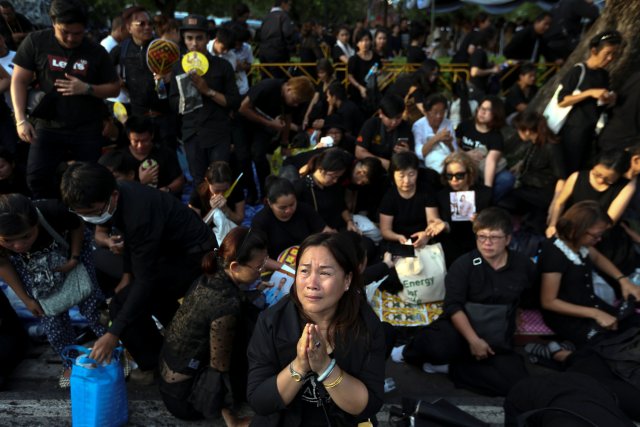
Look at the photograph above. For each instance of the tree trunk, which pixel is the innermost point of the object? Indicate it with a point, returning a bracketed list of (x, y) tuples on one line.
[(621, 15)]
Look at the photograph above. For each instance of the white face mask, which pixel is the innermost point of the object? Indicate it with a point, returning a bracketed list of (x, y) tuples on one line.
[(101, 219)]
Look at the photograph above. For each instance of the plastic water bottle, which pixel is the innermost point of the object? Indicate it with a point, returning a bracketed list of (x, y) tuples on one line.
[(162, 89), (372, 71)]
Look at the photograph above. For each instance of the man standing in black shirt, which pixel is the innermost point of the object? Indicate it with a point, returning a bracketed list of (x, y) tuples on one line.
[(276, 36), (76, 75), (206, 132), (164, 242), (528, 44), (131, 58)]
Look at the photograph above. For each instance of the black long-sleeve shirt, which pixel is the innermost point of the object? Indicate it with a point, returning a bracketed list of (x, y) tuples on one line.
[(154, 225)]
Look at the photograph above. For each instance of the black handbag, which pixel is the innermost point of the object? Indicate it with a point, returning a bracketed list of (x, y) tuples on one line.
[(491, 322), (440, 412)]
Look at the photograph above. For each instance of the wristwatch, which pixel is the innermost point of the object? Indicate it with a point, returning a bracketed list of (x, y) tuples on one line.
[(297, 376)]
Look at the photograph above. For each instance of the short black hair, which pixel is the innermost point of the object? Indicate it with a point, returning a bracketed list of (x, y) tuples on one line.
[(278, 187), (392, 106), (494, 218), (527, 68), (138, 124), (84, 184), (69, 12), (225, 36), (434, 99), (337, 90), (403, 161), (5, 3), (541, 16), (609, 37), (17, 214)]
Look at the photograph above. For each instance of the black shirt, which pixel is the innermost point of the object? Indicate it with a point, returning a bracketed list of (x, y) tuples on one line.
[(351, 117), (358, 68), (480, 59), (586, 112), (472, 279), (523, 44), (168, 166), (155, 226), (409, 215), (470, 138), (212, 117), (379, 141), (266, 96), (328, 201), (138, 79), (515, 96), (40, 53), (416, 55), (283, 235)]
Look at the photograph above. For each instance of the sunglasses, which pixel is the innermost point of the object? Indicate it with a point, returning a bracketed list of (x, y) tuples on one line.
[(459, 176)]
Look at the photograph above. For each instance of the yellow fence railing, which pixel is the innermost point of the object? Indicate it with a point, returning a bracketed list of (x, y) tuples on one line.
[(389, 72)]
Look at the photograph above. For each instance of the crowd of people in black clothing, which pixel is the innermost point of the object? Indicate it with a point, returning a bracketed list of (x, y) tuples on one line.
[(354, 176)]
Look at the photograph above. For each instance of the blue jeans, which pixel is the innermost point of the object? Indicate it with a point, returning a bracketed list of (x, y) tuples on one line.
[(502, 184)]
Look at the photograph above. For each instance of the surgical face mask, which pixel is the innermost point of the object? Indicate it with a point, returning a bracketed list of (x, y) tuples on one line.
[(100, 219)]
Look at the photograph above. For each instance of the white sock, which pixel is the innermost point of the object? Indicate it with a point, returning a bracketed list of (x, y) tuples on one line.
[(396, 354), (435, 369)]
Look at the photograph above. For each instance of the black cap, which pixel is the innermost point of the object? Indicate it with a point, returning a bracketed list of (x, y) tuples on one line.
[(194, 23)]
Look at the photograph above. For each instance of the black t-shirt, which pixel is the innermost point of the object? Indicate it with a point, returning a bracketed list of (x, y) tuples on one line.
[(351, 117), (379, 141), (415, 55), (58, 217), (462, 55), (169, 168), (40, 53), (266, 97), (328, 201), (282, 235), (479, 59), (586, 112), (470, 138), (409, 215), (358, 68), (196, 201), (515, 97), (138, 79)]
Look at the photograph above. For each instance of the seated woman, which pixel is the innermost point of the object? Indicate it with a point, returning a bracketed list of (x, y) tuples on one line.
[(210, 194), (489, 279), (317, 108), (321, 189), (403, 213), (196, 357), (539, 174), (457, 237), (523, 91), (606, 184), (570, 306), (316, 358), (480, 137), (284, 221), (34, 262)]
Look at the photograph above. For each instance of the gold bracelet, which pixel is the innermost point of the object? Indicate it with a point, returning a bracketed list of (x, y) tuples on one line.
[(336, 382)]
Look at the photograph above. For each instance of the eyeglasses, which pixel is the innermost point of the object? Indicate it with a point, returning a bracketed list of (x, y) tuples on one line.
[(142, 23), (492, 239), (258, 269), (459, 176)]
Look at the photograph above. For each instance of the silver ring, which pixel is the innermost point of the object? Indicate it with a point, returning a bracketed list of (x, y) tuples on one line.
[(317, 344)]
